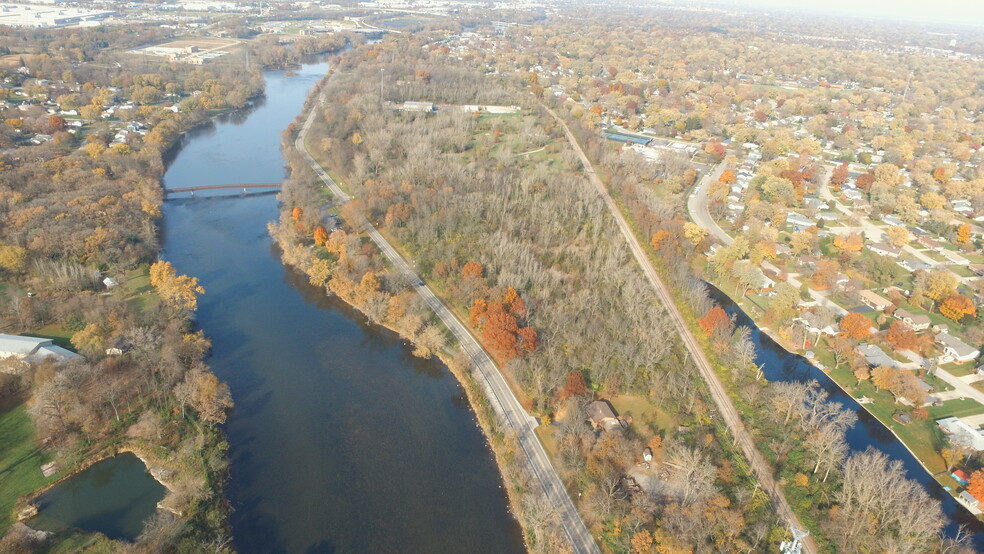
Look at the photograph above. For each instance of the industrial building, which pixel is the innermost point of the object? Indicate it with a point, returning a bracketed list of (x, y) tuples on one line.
[(37, 16)]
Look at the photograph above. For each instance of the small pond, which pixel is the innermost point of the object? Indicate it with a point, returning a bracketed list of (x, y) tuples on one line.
[(113, 497)]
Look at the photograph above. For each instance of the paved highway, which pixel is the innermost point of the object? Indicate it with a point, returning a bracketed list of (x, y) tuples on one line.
[(513, 418), (759, 467)]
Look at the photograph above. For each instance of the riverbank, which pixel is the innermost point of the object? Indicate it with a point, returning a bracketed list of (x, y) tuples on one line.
[(880, 408), (502, 444)]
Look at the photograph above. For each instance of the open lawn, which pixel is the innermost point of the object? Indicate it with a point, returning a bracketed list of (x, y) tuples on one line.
[(20, 460), (643, 413), (959, 407), (137, 289)]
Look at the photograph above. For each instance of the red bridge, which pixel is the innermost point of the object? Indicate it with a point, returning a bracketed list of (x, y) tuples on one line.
[(244, 186)]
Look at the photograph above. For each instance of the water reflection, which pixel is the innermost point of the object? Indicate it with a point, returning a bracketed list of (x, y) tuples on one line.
[(782, 365), (341, 439)]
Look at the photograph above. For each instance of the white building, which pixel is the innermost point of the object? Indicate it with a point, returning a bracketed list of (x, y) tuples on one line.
[(32, 349), (962, 433)]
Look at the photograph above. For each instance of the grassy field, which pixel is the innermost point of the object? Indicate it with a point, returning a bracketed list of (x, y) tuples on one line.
[(20, 460)]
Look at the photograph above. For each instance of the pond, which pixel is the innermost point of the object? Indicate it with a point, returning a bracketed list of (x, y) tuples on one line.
[(113, 497)]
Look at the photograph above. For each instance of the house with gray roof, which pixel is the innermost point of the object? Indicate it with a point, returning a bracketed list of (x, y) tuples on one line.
[(916, 322), (956, 348), (875, 356)]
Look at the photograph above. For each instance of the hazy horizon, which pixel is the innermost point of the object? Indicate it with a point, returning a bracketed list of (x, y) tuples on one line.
[(939, 11)]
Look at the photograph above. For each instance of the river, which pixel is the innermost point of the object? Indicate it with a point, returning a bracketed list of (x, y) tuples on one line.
[(341, 440), (782, 365)]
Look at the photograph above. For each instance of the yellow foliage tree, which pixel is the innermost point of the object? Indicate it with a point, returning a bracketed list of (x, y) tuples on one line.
[(963, 233), (175, 290), (899, 236), (695, 233)]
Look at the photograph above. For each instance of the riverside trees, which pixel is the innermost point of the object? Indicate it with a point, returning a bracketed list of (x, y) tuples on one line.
[(496, 217)]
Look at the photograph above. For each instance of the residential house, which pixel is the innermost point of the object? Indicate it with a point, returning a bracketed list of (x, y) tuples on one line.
[(874, 300), (883, 249), (962, 206), (799, 221), (930, 243), (956, 348), (913, 266), (876, 357), (916, 322), (954, 258), (960, 432), (601, 416), (892, 220)]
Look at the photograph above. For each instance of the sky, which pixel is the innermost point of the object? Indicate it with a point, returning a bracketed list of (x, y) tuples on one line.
[(947, 11)]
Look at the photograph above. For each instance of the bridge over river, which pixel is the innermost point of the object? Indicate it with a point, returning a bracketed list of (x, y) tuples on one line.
[(245, 186)]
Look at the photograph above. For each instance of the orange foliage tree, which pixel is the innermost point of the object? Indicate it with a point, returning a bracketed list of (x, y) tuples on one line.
[(320, 235), (715, 318), (976, 486), (658, 237), (575, 386), (957, 307), (297, 213), (856, 326), (727, 177), (901, 337), (840, 174), (472, 269), (499, 324), (852, 242)]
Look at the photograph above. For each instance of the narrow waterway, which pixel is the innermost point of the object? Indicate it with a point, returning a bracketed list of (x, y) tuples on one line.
[(341, 440), (782, 365)]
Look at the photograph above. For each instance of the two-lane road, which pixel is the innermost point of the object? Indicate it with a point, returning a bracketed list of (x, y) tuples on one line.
[(513, 418)]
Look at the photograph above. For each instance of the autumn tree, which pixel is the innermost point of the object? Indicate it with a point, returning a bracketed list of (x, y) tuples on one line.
[(899, 236), (976, 486), (694, 233), (852, 242), (575, 386), (657, 239), (840, 174), (175, 290), (900, 337), (320, 235), (715, 320), (203, 392), (727, 177), (856, 326), (963, 233), (957, 307), (472, 269), (297, 213), (941, 284), (12, 258)]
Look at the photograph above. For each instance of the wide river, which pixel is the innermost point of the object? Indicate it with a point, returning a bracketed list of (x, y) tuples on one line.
[(341, 440)]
